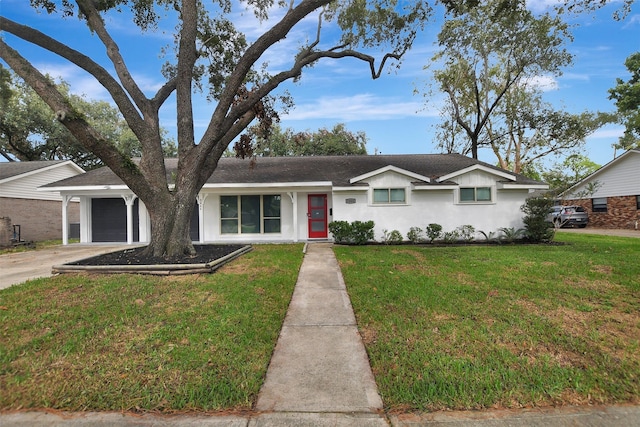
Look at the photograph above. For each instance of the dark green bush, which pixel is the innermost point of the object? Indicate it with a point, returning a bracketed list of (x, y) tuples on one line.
[(358, 232), (537, 229), (362, 232), (433, 232)]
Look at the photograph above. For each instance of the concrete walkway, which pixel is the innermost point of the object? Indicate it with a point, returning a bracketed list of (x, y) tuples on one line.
[(320, 365), (319, 375)]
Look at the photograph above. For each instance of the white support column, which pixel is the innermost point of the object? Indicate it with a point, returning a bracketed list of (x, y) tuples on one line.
[(129, 199), (65, 221), (294, 200), (201, 198)]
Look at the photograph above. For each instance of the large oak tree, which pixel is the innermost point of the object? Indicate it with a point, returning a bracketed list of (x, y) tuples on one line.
[(209, 50)]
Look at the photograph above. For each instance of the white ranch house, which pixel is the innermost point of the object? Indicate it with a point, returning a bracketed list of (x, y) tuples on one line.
[(291, 199)]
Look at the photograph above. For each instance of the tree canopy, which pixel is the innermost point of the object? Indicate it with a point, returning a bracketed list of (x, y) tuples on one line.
[(337, 141), (209, 52), (29, 131), (491, 58), (627, 99)]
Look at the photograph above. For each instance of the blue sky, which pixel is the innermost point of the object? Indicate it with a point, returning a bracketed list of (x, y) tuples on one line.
[(395, 118)]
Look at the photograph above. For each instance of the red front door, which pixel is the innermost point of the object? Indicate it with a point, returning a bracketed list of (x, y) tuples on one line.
[(317, 215)]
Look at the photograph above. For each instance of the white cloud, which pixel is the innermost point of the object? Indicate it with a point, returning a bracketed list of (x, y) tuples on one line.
[(358, 107), (607, 133), (543, 83)]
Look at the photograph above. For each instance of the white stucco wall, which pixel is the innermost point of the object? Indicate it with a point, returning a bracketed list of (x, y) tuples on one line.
[(431, 206)]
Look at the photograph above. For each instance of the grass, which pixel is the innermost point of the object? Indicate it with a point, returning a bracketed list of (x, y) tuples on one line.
[(500, 326), (34, 246), (140, 343), (445, 328)]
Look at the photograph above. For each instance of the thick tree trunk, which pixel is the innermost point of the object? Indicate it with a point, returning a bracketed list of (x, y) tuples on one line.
[(171, 224)]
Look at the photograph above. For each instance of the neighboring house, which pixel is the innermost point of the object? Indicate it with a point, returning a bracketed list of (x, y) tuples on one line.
[(39, 214), (288, 199), (611, 195)]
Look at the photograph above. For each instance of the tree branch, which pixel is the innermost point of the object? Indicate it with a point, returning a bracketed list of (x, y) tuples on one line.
[(116, 91), (74, 121), (96, 24)]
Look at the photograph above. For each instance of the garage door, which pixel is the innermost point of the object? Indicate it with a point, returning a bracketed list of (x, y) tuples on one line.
[(109, 220)]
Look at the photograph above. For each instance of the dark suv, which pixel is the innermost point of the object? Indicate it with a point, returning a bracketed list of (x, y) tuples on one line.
[(561, 216)]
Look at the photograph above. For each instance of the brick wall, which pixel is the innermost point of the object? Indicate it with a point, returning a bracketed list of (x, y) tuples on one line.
[(38, 219), (6, 232), (621, 212)]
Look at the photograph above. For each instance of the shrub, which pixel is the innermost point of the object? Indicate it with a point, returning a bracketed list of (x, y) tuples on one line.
[(434, 231), (362, 232), (393, 237), (358, 232), (451, 236), (537, 229), (511, 234), (415, 235), (341, 231), (466, 232), (491, 236)]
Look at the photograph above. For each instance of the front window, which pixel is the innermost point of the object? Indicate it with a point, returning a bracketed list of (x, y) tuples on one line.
[(638, 202), (475, 194), (599, 204), (389, 195), (258, 214)]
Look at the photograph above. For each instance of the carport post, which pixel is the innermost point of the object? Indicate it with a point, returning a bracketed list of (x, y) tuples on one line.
[(129, 200), (65, 222), (201, 198)]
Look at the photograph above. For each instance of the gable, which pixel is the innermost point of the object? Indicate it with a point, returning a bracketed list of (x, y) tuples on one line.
[(475, 172), (391, 174), (620, 177), (32, 175), (475, 178)]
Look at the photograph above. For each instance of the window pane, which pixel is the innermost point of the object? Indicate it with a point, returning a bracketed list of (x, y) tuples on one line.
[(250, 216), (467, 194), (599, 204), (229, 206), (397, 195), (229, 226), (272, 225), (271, 206), (381, 196), (317, 201), (483, 194), (637, 202)]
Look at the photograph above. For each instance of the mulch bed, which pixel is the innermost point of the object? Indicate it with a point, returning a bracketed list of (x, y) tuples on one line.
[(135, 256)]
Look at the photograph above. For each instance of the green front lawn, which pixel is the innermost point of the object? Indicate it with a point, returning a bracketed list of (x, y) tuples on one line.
[(445, 327), (130, 342), (500, 326)]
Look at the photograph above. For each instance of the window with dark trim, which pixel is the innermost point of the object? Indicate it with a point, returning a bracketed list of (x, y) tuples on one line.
[(599, 204), (258, 214), (638, 202), (475, 194), (389, 195)]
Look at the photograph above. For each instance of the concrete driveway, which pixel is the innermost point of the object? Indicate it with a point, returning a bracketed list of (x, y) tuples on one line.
[(602, 231), (19, 267)]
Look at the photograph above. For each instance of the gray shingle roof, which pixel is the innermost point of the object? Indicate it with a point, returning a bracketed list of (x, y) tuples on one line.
[(336, 169), (12, 169)]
